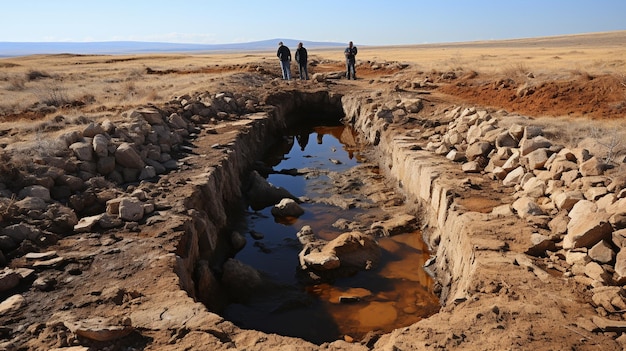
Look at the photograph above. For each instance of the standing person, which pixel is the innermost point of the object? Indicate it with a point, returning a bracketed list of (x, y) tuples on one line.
[(301, 57), (284, 55), (350, 53)]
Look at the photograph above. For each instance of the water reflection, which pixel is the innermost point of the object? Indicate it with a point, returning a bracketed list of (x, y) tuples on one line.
[(394, 295)]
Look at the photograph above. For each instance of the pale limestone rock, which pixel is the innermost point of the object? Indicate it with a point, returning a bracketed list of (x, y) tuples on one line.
[(592, 167), (587, 230), (512, 162), (130, 209), (478, 149), (602, 252), (558, 224), (514, 177), (529, 145), (593, 194), (581, 155), (605, 201), (537, 159), (177, 121), (526, 206), (506, 140), (534, 187), (502, 210), (567, 200), (471, 167), (594, 271), (532, 131), (581, 208), (85, 224), (516, 131), (602, 296), (455, 155), (577, 257), (619, 238), (620, 267), (12, 304)]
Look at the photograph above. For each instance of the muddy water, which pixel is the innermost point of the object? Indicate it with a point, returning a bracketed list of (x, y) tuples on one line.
[(397, 293)]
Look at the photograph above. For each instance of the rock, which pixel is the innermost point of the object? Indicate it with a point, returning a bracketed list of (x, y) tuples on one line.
[(37, 191), (100, 329), (240, 279), (92, 130), (20, 232), (149, 114), (534, 187), (82, 150), (514, 177), (127, 156), (620, 267), (85, 224), (471, 167), (608, 325), (537, 159), (44, 283), (540, 244), (12, 304), (287, 208), (404, 223), (237, 240), (478, 149), (587, 230), (602, 252), (262, 194), (594, 271), (456, 156), (529, 145), (505, 139), (100, 144), (592, 167), (31, 203), (355, 250), (526, 206), (306, 235), (9, 279), (321, 261), (131, 209), (602, 297)]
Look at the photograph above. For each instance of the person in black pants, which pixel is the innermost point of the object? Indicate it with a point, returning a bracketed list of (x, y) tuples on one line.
[(350, 53), (284, 55), (301, 57)]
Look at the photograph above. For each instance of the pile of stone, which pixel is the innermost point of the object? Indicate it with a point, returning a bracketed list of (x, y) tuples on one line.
[(570, 195), (79, 185)]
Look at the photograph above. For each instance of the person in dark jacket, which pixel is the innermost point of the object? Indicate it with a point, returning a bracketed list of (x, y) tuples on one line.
[(284, 54), (350, 53), (301, 58)]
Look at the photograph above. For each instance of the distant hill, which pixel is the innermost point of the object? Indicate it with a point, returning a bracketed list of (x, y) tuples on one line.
[(138, 47)]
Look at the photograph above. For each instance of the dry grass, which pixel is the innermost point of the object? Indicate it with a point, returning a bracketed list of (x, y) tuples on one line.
[(103, 86)]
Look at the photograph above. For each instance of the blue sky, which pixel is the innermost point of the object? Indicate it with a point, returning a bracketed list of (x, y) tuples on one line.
[(366, 22)]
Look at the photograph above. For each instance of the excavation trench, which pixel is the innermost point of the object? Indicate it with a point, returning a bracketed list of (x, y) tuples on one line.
[(276, 295)]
